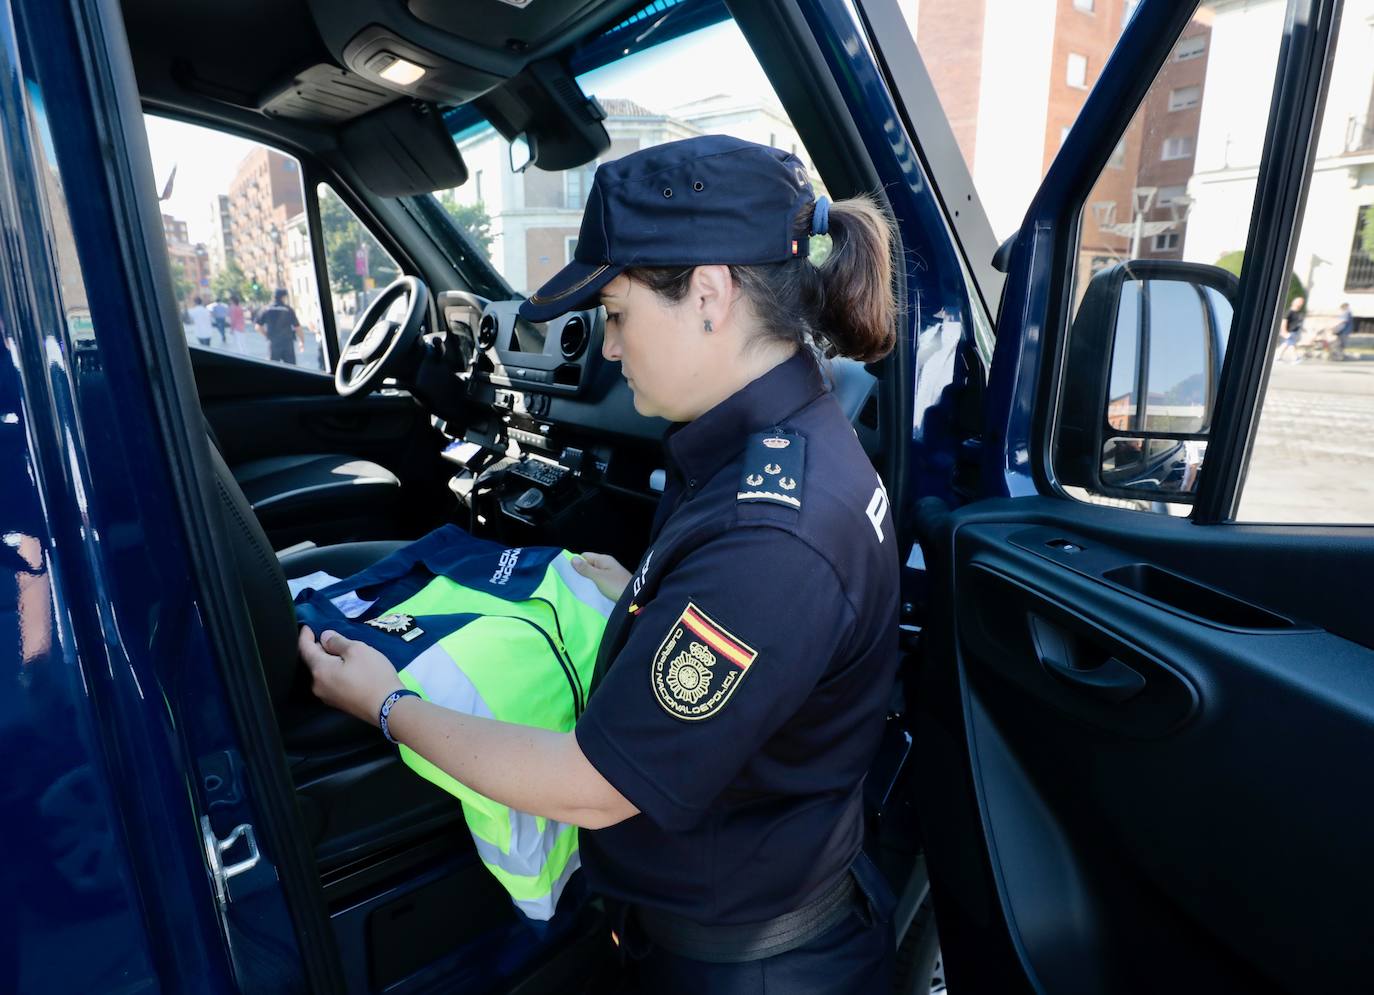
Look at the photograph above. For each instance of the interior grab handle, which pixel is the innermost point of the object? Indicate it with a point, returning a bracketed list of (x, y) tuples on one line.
[(1111, 680)]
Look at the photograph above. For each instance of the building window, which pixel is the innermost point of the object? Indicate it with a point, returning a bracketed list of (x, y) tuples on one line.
[(1166, 241), (1077, 74), (1118, 159), (1359, 275), (1190, 48), (569, 247), (1167, 195), (1086, 6), (1184, 97), (577, 186), (1178, 147)]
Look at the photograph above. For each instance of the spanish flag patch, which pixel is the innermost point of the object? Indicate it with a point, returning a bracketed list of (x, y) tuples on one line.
[(698, 666)]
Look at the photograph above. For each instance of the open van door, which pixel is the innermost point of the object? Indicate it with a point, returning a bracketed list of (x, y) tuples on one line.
[(1147, 698)]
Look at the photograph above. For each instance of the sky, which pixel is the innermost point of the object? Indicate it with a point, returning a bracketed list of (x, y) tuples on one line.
[(715, 60), (206, 161)]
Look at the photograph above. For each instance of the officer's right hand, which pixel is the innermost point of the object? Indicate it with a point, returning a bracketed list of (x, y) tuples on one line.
[(604, 571)]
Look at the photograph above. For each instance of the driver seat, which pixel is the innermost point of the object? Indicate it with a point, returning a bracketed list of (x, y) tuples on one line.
[(318, 497), (336, 761)]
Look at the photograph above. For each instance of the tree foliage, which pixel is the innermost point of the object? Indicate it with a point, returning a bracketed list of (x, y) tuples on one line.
[(230, 282), (472, 220), (343, 234), (1233, 262), (1367, 232), (181, 283)]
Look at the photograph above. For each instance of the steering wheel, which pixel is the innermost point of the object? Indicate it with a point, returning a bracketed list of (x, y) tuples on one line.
[(382, 336)]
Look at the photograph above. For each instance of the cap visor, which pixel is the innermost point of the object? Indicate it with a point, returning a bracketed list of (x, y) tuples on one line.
[(572, 288)]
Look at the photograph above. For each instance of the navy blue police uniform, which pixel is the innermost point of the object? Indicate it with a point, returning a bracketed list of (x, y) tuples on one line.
[(741, 686)]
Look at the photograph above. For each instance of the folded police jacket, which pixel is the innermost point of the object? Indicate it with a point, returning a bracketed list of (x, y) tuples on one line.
[(510, 634)]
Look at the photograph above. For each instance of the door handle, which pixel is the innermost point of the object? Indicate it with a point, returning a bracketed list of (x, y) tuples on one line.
[(1110, 680)]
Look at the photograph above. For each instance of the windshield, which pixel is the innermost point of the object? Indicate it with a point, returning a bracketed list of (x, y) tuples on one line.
[(527, 223)]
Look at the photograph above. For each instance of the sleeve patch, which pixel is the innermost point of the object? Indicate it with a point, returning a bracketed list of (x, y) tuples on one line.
[(698, 666), (772, 471)]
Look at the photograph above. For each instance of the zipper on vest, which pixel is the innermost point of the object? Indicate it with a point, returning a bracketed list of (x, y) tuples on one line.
[(565, 662), (563, 645)]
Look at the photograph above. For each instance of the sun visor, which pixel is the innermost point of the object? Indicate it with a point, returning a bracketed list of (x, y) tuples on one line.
[(402, 150), (545, 103)]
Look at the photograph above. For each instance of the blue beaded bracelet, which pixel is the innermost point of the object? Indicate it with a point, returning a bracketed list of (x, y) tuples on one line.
[(386, 708)]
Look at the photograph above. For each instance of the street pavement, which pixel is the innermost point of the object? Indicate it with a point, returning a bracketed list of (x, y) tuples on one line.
[(1313, 459), (254, 345)]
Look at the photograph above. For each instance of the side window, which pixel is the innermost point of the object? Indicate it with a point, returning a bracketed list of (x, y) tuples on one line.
[(1311, 460), (527, 223), (1180, 189), (237, 236), (357, 265)]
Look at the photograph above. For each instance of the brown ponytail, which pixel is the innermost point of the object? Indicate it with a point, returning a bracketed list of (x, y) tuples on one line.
[(844, 306)]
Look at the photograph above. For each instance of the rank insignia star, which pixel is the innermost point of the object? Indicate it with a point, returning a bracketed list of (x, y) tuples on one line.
[(772, 469)]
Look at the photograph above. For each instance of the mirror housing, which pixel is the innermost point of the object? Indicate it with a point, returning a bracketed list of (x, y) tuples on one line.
[(1094, 427)]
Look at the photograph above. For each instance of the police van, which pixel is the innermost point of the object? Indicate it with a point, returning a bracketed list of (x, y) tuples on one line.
[(1126, 751)]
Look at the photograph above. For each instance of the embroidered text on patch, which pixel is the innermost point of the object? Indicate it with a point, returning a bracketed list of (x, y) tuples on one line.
[(506, 565), (698, 666)]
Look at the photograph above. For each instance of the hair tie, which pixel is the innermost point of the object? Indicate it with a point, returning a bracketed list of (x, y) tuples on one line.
[(820, 217)]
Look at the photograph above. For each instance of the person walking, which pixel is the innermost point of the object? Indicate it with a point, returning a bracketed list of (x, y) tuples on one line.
[(1292, 323), (282, 329), (717, 770), (202, 327)]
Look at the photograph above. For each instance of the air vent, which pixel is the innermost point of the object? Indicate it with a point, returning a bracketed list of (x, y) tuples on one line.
[(574, 338), (486, 331)]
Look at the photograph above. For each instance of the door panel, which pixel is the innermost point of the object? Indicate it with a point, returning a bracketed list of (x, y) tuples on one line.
[(1149, 735)]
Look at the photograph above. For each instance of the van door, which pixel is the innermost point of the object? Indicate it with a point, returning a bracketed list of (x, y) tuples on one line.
[(1148, 651)]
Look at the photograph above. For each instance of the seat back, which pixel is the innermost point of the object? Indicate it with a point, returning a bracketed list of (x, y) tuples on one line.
[(262, 583)]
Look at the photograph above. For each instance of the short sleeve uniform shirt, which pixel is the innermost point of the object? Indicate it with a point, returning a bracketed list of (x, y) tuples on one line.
[(279, 320), (744, 675)]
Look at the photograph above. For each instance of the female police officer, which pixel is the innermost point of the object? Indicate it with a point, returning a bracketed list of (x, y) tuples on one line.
[(742, 680)]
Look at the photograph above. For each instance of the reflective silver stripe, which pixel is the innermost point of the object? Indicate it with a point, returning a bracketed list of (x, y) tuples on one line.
[(584, 589), (529, 848), (446, 683), (542, 908)]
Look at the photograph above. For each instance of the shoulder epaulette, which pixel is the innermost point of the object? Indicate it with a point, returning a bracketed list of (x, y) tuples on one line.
[(772, 469)]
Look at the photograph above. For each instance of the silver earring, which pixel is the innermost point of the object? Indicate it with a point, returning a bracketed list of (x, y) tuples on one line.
[(707, 325)]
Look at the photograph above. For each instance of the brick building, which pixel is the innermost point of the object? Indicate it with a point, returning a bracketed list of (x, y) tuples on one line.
[(264, 196)]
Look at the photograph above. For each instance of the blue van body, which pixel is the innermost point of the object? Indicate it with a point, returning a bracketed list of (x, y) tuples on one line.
[(114, 724), (114, 721)]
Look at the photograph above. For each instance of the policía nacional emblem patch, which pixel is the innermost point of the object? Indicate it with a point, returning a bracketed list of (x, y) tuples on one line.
[(698, 666)]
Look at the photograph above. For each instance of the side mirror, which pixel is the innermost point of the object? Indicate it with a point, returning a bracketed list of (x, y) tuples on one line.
[(1142, 369), (522, 152)]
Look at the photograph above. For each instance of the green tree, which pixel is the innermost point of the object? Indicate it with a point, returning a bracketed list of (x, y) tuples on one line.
[(471, 219), (343, 234), (1233, 262), (230, 282), (1367, 232), (181, 284)]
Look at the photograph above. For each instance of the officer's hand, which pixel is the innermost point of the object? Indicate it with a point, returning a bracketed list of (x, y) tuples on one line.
[(604, 571), (349, 675)]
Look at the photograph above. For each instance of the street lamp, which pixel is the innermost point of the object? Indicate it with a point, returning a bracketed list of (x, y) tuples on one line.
[(1138, 229)]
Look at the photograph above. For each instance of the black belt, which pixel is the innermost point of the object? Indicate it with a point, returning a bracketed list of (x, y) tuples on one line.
[(733, 944)]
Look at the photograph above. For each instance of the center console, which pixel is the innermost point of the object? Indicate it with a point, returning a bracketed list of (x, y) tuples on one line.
[(554, 357)]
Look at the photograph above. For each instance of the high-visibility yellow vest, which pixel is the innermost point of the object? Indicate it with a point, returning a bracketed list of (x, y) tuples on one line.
[(502, 633)]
